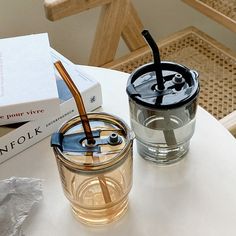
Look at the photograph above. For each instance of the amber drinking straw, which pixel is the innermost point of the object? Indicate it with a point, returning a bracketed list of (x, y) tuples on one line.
[(78, 99), (85, 122), (169, 134)]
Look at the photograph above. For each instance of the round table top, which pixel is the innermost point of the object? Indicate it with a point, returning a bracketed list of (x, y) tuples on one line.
[(196, 196)]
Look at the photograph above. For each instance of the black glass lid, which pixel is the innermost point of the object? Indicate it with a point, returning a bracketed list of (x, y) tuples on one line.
[(180, 86)]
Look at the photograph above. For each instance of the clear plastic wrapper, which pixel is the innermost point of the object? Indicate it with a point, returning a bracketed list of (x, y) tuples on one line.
[(17, 196)]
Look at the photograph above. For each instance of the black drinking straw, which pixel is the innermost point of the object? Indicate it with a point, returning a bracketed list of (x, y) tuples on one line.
[(169, 134), (156, 58)]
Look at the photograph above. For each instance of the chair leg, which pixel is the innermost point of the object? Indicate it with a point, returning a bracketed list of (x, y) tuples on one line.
[(108, 33), (132, 30)]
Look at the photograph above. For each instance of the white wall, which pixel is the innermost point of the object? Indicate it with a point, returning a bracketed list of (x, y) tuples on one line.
[(73, 35)]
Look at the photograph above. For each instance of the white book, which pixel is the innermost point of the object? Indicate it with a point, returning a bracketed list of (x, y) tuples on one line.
[(27, 81), (15, 138)]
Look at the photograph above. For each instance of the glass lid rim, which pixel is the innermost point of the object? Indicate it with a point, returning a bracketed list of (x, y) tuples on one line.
[(144, 69), (129, 136)]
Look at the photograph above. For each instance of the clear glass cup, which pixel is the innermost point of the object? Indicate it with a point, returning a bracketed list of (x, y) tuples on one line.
[(95, 178), (159, 139), (163, 121)]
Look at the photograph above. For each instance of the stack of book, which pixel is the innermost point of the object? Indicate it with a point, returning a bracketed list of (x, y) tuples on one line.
[(34, 100)]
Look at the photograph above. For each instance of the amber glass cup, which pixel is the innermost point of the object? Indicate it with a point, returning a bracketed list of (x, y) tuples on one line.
[(96, 178)]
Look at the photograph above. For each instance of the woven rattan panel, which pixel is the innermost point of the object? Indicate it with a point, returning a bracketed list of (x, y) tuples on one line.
[(222, 11), (217, 69), (226, 7)]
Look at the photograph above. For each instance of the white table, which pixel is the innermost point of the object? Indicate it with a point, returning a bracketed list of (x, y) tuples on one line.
[(196, 196)]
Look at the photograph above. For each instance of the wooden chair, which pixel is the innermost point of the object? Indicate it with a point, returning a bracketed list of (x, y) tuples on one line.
[(215, 63), (224, 12), (118, 18)]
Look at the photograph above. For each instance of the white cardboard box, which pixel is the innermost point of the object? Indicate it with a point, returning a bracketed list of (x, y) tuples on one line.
[(15, 139), (27, 81)]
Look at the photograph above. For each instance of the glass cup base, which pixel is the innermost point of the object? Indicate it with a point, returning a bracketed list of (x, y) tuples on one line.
[(162, 155), (100, 217)]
